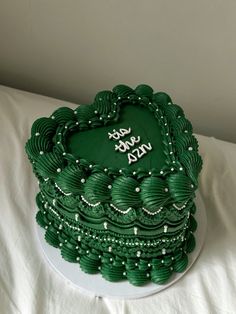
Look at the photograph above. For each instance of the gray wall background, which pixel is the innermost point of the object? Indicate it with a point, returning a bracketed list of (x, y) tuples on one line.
[(70, 49)]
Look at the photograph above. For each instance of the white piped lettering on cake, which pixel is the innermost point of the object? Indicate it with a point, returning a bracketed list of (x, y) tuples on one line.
[(116, 135), (124, 146)]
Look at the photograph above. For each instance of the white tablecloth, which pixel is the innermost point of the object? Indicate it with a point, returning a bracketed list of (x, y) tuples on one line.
[(28, 284)]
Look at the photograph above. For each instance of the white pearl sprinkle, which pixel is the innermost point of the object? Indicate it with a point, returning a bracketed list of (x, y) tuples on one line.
[(109, 186), (58, 142), (149, 172), (95, 111), (75, 112), (169, 103), (58, 169), (37, 134), (138, 253), (77, 161), (180, 168), (137, 189), (82, 180), (52, 117), (77, 258), (172, 169), (134, 173), (163, 251), (120, 171), (66, 127), (192, 186), (166, 190), (105, 169), (139, 98), (161, 172), (90, 166), (100, 118), (110, 249), (41, 152), (190, 148), (124, 273), (77, 123), (171, 153), (89, 121)]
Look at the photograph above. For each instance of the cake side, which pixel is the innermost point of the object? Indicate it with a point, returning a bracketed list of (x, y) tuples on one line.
[(133, 223)]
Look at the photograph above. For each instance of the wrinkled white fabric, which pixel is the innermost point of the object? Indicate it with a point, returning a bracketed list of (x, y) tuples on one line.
[(28, 284)]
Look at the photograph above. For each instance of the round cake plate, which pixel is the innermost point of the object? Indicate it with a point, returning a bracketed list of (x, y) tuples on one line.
[(97, 286)]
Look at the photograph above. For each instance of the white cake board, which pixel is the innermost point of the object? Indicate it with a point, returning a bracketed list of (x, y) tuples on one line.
[(98, 286)]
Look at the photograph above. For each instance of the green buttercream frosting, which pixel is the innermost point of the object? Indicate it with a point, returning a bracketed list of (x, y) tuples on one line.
[(117, 183)]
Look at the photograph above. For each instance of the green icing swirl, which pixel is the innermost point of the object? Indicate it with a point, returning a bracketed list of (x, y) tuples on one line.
[(144, 90), (49, 164), (122, 90), (63, 115), (186, 142), (84, 113), (112, 273), (173, 111), (69, 180), (104, 102), (44, 126), (51, 236), (154, 193), (97, 188), (162, 99), (69, 252), (161, 274), (180, 187), (137, 277), (181, 125), (192, 163), (181, 264), (191, 243), (124, 193), (38, 145)]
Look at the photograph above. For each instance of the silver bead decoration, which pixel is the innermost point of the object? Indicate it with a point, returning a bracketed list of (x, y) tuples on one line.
[(135, 230), (163, 251), (105, 225), (138, 253), (165, 228)]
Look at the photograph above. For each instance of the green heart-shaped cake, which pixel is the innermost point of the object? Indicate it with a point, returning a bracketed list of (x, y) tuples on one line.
[(117, 181)]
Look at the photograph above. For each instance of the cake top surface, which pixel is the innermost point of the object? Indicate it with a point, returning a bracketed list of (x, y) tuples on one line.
[(129, 148)]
